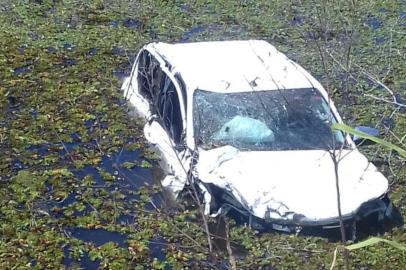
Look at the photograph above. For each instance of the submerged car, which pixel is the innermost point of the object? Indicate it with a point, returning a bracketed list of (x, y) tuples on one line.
[(252, 130)]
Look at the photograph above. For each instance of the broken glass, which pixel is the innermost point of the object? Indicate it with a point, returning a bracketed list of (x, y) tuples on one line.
[(160, 91), (295, 119)]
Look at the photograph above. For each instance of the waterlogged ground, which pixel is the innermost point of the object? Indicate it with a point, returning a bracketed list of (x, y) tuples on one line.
[(79, 187)]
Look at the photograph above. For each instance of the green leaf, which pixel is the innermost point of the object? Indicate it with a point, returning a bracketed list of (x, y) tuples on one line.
[(375, 240), (145, 164), (128, 165), (350, 130)]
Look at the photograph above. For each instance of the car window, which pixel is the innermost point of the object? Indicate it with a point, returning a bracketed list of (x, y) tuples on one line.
[(160, 91), (292, 119), (182, 86), (149, 77), (169, 108)]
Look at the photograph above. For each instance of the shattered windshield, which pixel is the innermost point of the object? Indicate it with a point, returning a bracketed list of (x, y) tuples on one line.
[(296, 119)]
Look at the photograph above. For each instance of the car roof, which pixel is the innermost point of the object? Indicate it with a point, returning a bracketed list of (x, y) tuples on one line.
[(233, 66)]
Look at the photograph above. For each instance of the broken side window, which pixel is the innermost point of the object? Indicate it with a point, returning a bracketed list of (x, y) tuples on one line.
[(182, 86), (161, 93), (169, 109), (149, 73)]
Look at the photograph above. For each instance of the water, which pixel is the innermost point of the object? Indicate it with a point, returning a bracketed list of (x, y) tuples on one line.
[(118, 51), (17, 166), (132, 23), (188, 35), (21, 70), (380, 40), (214, 32), (70, 199), (97, 237), (126, 219), (68, 62), (51, 49), (41, 149), (388, 122), (373, 22), (121, 74), (69, 47), (297, 20), (185, 8), (157, 248), (21, 49), (402, 15), (92, 52), (114, 23), (85, 262), (127, 180), (12, 101)]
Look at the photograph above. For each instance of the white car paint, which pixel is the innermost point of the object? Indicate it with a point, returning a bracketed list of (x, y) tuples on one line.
[(270, 184), (278, 184)]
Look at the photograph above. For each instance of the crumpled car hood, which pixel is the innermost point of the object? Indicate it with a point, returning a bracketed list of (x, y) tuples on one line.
[(282, 184)]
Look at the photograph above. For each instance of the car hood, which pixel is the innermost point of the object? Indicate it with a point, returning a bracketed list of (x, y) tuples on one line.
[(283, 185)]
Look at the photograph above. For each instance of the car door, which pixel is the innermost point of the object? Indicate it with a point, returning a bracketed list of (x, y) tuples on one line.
[(165, 126)]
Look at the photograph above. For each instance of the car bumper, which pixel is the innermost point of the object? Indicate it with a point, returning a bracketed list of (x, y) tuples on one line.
[(377, 209)]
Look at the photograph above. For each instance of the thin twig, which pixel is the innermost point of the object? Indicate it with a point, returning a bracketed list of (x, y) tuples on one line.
[(64, 146), (231, 258), (385, 100)]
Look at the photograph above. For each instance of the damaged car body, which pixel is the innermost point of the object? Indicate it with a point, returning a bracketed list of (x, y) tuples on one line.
[(251, 129)]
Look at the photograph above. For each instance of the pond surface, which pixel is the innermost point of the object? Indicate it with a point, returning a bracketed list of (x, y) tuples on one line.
[(80, 186)]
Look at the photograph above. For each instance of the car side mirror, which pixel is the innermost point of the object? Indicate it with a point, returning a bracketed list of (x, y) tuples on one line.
[(368, 130)]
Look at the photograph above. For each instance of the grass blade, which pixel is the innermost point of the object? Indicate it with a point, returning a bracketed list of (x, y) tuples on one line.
[(350, 130), (375, 240)]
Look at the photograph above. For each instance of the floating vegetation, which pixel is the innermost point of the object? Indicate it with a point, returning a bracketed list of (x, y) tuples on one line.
[(79, 187)]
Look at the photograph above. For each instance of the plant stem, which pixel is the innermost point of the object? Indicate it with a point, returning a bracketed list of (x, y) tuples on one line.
[(342, 228)]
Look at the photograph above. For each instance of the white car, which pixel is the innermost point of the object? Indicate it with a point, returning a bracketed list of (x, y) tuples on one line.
[(251, 129)]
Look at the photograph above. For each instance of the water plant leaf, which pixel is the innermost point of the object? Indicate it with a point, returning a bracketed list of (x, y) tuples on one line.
[(350, 130), (375, 240)]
